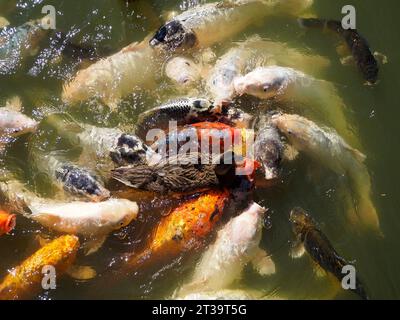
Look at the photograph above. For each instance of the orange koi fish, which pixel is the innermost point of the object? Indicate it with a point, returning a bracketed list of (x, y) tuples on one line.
[(25, 280), (184, 229)]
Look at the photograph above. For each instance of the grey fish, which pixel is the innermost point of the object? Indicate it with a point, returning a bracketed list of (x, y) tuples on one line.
[(311, 240), (19, 43), (14, 123), (73, 179), (210, 23), (81, 182), (357, 44), (186, 111), (31, 42), (268, 148), (332, 151), (110, 146), (182, 111)]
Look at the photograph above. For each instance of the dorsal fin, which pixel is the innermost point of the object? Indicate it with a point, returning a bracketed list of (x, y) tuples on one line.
[(4, 22), (14, 103), (356, 153)]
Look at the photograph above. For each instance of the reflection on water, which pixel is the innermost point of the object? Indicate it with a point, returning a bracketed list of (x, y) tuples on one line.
[(98, 28)]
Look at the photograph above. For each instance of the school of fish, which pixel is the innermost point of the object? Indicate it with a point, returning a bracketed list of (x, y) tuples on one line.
[(235, 121)]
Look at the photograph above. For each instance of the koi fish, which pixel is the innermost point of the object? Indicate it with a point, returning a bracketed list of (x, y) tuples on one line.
[(24, 281)]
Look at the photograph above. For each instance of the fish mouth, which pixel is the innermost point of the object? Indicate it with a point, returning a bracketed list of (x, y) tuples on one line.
[(11, 223)]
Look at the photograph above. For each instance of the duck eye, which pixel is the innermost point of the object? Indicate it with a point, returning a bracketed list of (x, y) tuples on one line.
[(198, 104)]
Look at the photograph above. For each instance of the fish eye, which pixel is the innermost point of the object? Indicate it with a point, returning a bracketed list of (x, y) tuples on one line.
[(266, 87)]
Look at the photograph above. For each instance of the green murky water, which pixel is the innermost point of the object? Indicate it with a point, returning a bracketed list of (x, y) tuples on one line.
[(112, 25)]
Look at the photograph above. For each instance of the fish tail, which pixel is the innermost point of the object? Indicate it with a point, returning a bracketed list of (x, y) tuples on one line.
[(66, 95), (361, 212), (368, 215), (366, 211)]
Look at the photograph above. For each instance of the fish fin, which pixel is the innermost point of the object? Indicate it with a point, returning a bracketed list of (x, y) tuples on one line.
[(381, 57), (318, 271), (113, 104), (59, 155), (343, 50), (42, 241), (93, 245), (263, 263), (347, 61), (297, 249), (356, 153), (64, 123), (4, 22), (81, 272), (346, 198), (368, 215), (14, 104), (290, 153)]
